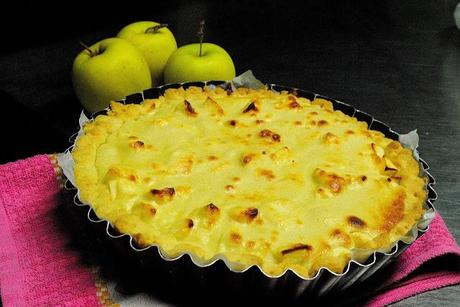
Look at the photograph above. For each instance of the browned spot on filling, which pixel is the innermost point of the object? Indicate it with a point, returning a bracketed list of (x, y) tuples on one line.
[(151, 106), (356, 222), (137, 145), (251, 213), (294, 105), (250, 244), (363, 178), (163, 194), (394, 213), (322, 122), (213, 214), (229, 187), (267, 174), (334, 182), (298, 123), (132, 137), (266, 133), (189, 109), (132, 178), (251, 107), (248, 158), (232, 122), (331, 138), (349, 132), (235, 237), (336, 232), (259, 121), (276, 137), (213, 209), (395, 178), (313, 122), (165, 191), (264, 152), (189, 223), (297, 247), (148, 209), (212, 158), (335, 185), (390, 169), (313, 113), (236, 179)]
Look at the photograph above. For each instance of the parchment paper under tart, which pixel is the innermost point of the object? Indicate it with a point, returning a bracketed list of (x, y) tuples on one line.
[(288, 284)]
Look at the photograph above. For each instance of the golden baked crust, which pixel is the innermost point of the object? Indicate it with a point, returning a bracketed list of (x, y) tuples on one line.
[(257, 176)]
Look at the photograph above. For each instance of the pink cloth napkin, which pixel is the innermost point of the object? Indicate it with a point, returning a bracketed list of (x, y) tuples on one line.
[(38, 269), (436, 242)]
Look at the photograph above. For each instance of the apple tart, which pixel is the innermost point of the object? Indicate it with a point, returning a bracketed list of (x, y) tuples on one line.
[(257, 177)]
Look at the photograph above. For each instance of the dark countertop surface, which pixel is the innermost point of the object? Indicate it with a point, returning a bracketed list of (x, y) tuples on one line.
[(397, 60)]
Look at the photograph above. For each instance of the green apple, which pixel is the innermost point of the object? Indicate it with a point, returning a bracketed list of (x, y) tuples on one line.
[(155, 41), (109, 70), (189, 64)]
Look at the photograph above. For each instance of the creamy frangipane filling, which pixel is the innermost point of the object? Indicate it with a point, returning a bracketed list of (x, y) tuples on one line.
[(259, 177)]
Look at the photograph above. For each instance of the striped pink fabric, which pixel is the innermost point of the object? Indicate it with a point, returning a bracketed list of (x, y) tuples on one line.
[(36, 267), (436, 242)]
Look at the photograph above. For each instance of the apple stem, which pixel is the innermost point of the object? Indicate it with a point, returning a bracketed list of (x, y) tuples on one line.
[(91, 52), (201, 35), (156, 28)]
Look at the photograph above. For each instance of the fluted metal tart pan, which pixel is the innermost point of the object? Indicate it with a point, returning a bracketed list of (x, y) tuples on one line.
[(253, 280)]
